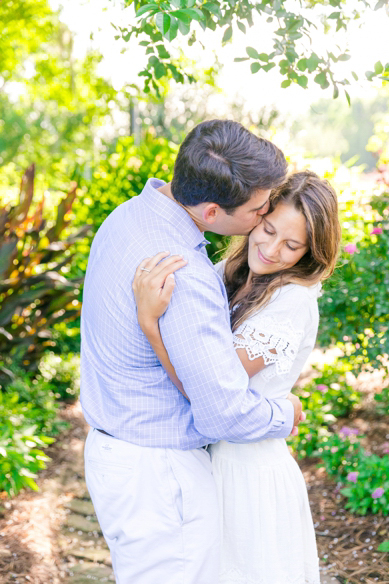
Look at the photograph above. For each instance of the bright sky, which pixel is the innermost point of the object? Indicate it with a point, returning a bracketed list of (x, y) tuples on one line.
[(368, 44)]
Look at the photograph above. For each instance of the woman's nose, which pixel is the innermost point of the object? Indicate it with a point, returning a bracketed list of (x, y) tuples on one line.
[(272, 248)]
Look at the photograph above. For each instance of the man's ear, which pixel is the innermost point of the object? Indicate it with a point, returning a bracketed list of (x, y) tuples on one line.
[(210, 213)]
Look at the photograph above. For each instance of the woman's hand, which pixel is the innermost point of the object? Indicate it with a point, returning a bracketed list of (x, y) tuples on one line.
[(153, 287)]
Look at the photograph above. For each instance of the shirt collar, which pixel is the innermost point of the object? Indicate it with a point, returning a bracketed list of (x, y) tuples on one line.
[(172, 212)]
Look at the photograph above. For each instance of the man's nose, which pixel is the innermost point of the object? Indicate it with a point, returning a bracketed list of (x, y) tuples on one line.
[(264, 210)]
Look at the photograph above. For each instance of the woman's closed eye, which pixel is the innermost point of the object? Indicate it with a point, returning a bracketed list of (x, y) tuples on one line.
[(292, 248)]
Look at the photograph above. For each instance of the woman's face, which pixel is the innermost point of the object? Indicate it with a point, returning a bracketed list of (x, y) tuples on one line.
[(279, 241)]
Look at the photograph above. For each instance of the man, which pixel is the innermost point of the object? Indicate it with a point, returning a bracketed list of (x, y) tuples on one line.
[(148, 474)]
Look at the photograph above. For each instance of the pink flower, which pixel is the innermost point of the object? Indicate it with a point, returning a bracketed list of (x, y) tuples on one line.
[(352, 476), (334, 449), (322, 387), (347, 431), (309, 437), (376, 231), (385, 447), (350, 248), (378, 493)]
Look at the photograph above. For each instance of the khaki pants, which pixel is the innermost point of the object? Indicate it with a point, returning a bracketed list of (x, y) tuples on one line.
[(157, 509)]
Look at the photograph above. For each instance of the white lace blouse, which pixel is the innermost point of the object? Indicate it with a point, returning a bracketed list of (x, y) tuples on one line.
[(287, 325)]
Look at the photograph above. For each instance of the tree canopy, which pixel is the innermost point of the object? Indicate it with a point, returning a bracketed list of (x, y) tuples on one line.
[(159, 22)]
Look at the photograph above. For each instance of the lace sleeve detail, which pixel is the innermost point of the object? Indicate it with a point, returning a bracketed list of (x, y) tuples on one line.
[(277, 342)]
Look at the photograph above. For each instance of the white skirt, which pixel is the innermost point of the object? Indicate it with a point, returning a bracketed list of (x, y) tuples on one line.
[(267, 530)]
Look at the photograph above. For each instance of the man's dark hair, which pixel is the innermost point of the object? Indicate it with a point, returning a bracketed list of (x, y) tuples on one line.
[(221, 162)]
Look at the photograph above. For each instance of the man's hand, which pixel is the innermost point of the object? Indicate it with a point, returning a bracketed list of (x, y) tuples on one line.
[(299, 415)]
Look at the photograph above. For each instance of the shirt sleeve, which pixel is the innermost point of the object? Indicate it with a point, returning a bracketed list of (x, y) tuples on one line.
[(197, 335)]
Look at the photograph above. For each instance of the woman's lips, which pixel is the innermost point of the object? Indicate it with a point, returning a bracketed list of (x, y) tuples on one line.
[(263, 259)]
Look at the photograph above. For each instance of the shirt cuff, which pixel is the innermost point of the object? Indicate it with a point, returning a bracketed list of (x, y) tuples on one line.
[(287, 409)]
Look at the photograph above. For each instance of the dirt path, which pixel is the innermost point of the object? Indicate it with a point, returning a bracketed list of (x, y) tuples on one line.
[(53, 537)]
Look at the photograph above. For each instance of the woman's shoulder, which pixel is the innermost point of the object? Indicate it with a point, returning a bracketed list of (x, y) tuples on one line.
[(297, 293)]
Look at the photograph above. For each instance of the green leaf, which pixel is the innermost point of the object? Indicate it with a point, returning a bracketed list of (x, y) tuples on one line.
[(268, 66), (162, 20), (172, 32), (312, 62), (302, 81), (334, 15), (286, 83), (183, 27), (263, 57), (344, 57), (255, 67), (253, 53), (144, 43), (162, 52), (241, 26), (195, 14), (336, 92), (302, 64), (354, 75), (348, 98), (240, 59), (213, 8), (182, 15), (147, 8), (227, 34), (160, 70), (384, 546), (31, 483), (378, 68), (321, 79)]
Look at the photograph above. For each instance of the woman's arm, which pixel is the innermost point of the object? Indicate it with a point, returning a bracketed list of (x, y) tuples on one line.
[(153, 287)]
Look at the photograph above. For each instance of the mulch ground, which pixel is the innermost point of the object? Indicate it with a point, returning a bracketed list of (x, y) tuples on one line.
[(30, 523)]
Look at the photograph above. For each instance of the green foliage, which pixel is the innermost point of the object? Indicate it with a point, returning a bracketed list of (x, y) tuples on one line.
[(51, 113), (324, 399), (384, 546), (34, 294), (25, 26), (161, 22), (382, 400), (369, 489), (28, 420), (354, 311), (340, 454), (330, 390), (63, 374), (121, 173)]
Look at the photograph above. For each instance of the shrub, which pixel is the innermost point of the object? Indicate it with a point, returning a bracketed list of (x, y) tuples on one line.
[(382, 400), (28, 420), (324, 399), (354, 311), (340, 453), (34, 294), (367, 487), (62, 373)]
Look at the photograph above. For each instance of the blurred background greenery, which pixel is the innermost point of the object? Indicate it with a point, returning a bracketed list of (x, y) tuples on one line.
[(84, 144)]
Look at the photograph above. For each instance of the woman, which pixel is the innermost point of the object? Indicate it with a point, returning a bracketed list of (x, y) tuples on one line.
[(272, 278)]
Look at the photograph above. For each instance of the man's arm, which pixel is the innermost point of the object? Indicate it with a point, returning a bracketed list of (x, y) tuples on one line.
[(197, 336)]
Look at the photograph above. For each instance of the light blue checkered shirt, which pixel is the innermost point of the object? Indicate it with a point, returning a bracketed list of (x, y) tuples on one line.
[(124, 389)]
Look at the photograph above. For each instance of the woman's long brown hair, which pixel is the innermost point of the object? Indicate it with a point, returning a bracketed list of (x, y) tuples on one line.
[(317, 201)]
